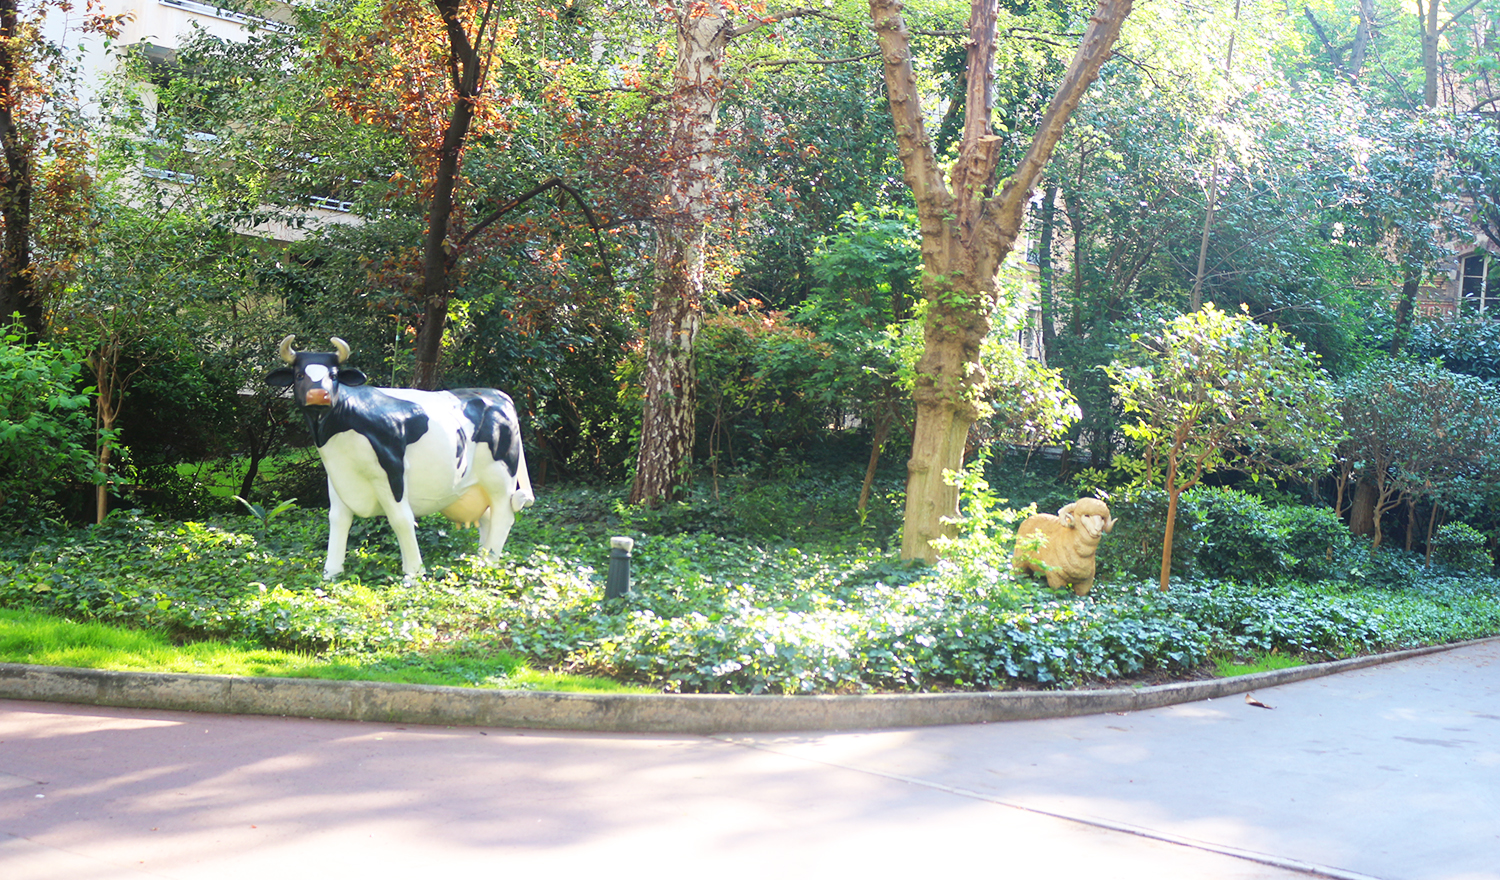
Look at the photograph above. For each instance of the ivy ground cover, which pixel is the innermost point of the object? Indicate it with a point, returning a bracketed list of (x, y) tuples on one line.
[(712, 611)]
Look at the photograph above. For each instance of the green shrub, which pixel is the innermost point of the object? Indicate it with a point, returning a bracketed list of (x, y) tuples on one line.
[(1461, 546), (1133, 549), (1241, 537), (45, 430), (1315, 539)]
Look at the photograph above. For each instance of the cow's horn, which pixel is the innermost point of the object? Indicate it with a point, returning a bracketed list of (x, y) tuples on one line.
[(341, 347), (286, 351)]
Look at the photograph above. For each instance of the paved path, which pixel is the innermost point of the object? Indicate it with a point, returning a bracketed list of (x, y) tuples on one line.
[(1390, 772)]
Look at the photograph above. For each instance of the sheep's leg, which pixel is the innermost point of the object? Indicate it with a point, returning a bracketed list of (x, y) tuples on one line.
[(1082, 587)]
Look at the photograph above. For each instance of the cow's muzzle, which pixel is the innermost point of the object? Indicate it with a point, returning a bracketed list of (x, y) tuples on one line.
[(318, 397)]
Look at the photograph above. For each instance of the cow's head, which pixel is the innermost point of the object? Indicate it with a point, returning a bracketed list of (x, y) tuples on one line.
[(315, 376)]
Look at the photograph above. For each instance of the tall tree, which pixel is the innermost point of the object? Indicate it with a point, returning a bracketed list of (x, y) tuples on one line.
[(968, 228), (43, 146), (426, 72), (704, 31), (1434, 24)]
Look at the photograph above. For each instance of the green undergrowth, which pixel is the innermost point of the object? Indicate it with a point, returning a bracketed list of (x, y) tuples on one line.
[(47, 640), (1228, 667), (721, 604)]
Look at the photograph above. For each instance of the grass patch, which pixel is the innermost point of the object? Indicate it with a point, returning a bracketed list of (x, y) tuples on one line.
[(1228, 667), (44, 640)]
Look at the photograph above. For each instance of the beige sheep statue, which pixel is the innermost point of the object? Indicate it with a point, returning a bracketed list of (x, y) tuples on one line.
[(1068, 543)]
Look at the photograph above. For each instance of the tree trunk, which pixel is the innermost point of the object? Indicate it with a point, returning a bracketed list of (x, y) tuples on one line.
[(1362, 510), (1406, 307), (1411, 523), (1428, 16), (1431, 527), (1196, 300), (664, 459), (438, 258), (967, 231), (107, 396), (1044, 272), (883, 424), (668, 421), (1167, 535), (18, 294), (1362, 37), (1073, 209)]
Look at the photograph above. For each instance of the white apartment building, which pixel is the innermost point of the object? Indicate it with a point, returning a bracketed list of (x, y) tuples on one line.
[(156, 29)]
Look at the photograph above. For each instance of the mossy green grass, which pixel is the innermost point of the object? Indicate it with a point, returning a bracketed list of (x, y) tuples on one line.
[(44, 640), (1228, 667)]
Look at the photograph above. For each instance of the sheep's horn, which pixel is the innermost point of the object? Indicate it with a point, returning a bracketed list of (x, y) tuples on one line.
[(1110, 526), (341, 347), (286, 351)]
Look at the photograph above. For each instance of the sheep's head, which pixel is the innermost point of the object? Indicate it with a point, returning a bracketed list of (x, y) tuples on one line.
[(1090, 514)]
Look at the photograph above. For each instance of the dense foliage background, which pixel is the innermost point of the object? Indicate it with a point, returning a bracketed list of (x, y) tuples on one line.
[(1221, 320)]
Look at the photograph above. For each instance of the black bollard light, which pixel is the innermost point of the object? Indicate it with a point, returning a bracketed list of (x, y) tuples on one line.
[(617, 584)]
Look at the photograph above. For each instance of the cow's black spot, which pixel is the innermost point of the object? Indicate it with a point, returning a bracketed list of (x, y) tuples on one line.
[(389, 423), (496, 425)]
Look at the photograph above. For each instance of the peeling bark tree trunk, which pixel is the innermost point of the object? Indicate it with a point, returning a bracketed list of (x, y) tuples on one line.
[(665, 456), (967, 231), (704, 32), (668, 424)]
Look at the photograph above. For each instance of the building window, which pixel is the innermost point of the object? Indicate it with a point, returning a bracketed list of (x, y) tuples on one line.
[(1480, 285)]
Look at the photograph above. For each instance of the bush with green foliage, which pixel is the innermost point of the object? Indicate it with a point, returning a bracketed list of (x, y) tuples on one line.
[(1460, 546), (1241, 537), (1228, 534), (45, 429), (1315, 540)]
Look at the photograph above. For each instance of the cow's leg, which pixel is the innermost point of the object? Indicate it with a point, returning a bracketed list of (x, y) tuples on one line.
[(404, 524), (339, 519), (496, 528), (495, 524)]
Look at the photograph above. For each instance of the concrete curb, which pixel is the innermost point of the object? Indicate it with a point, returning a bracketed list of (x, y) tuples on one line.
[(621, 713)]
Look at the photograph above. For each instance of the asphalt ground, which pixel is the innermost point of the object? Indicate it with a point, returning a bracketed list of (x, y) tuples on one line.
[(1389, 771)]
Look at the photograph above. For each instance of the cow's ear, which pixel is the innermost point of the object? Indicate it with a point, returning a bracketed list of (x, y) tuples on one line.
[(351, 376), (281, 377)]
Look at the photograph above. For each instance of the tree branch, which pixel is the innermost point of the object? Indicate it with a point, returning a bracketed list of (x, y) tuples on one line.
[(552, 183), (1139, 65), (778, 17), (1454, 17), (787, 62), (1095, 48)]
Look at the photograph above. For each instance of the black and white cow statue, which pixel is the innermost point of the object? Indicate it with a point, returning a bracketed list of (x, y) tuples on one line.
[(407, 453)]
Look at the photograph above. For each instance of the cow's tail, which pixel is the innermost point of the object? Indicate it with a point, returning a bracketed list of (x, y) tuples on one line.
[(523, 496)]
